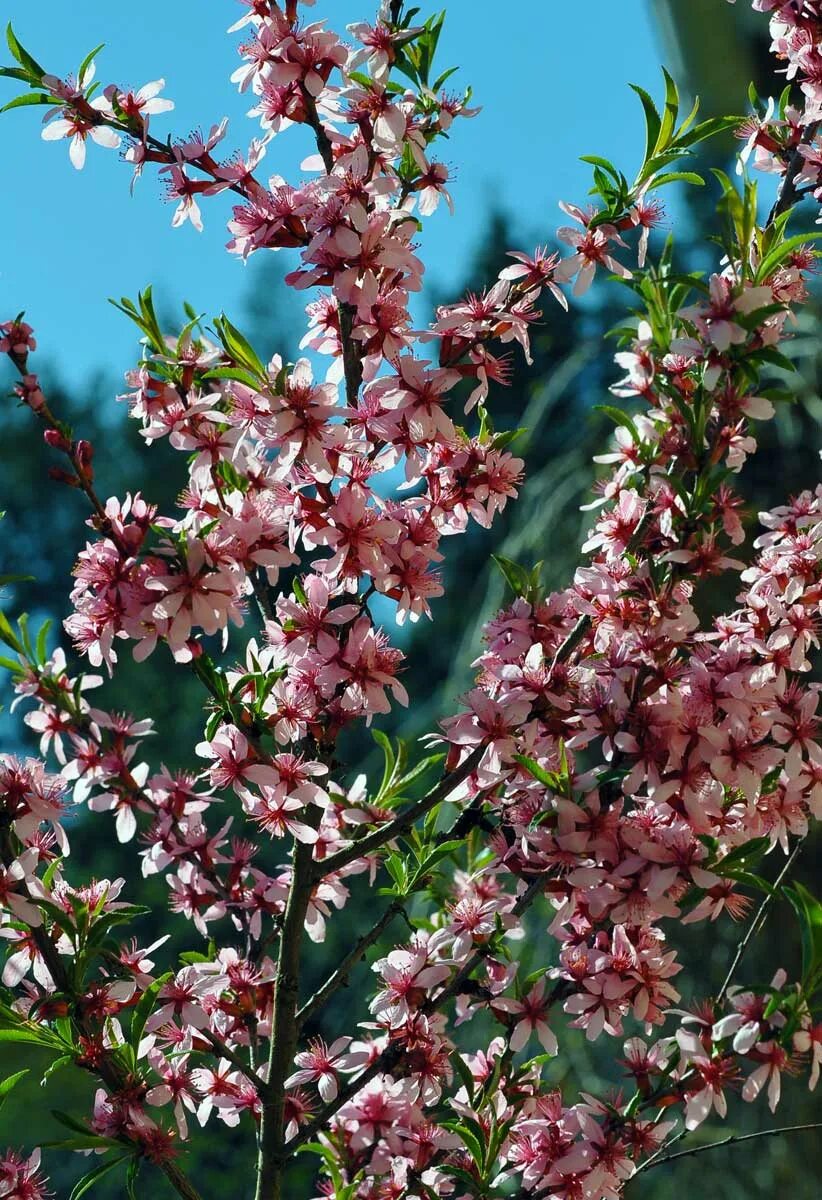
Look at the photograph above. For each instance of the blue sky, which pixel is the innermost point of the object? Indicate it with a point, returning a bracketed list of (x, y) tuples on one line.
[(69, 240)]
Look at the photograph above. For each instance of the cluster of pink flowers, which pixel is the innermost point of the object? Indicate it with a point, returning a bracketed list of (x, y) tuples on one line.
[(624, 762), (774, 137), (21, 1178)]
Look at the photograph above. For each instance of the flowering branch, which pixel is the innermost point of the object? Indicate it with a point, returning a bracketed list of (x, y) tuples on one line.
[(623, 759)]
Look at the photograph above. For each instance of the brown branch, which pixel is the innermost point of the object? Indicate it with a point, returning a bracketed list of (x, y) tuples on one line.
[(225, 1051), (81, 473), (757, 922), (352, 361), (393, 1052), (401, 824), (340, 976), (733, 1139), (285, 1027), (788, 193)]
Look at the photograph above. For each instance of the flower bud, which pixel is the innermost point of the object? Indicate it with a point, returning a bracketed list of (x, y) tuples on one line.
[(55, 439), (61, 476)]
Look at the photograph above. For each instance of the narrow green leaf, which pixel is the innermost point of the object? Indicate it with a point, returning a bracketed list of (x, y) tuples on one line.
[(515, 575), (15, 73), (676, 177), (143, 1009), (620, 417), (464, 1071), (94, 1176), (23, 57), (779, 253), (131, 1178), (388, 756), (11, 1082), (652, 119), (809, 911), (27, 1035), (549, 778), (88, 60), (27, 99)]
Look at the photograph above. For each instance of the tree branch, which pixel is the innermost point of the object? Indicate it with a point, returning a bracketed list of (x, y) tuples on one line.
[(733, 1139), (402, 823), (393, 1053), (285, 1029), (756, 923), (788, 193), (340, 976)]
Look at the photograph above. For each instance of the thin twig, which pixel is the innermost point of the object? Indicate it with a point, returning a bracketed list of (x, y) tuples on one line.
[(393, 1052), (733, 1139), (756, 923), (403, 822), (340, 976)]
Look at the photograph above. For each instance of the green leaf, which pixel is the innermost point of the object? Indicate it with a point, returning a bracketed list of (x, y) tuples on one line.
[(88, 60), (421, 767), (15, 73), (70, 1122), (620, 417), (144, 318), (65, 1060), (23, 57), (143, 1009), (779, 253), (776, 358), (469, 1138), (746, 856), (708, 129), (669, 114), (131, 1178), (42, 642), (28, 1035), (90, 1142), (653, 121), (676, 177), (439, 82), (464, 1071), (8, 635), (596, 161), (238, 348), (809, 911), (396, 867), (549, 779), (10, 1083), (235, 373), (389, 758), (192, 957), (515, 575), (94, 1176), (27, 99), (436, 855)]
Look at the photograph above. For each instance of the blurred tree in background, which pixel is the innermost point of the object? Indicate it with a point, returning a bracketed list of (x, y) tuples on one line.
[(557, 403)]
